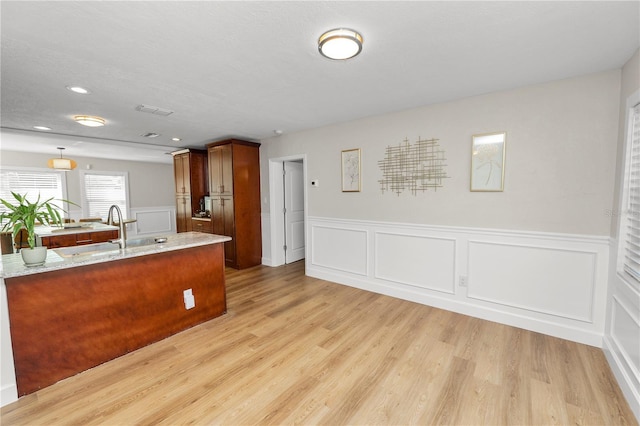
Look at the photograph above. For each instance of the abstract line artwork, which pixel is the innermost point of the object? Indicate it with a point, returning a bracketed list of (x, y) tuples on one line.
[(413, 168)]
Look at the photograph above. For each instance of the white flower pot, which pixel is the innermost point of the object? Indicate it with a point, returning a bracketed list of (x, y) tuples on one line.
[(34, 256)]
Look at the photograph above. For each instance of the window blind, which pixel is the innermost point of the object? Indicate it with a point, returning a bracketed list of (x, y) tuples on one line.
[(632, 237), (47, 184), (101, 191)]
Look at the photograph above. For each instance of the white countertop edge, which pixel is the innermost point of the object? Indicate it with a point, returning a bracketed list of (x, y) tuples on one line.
[(13, 266), (54, 231)]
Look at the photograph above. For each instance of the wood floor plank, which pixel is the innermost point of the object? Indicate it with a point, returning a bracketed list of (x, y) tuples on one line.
[(298, 350)]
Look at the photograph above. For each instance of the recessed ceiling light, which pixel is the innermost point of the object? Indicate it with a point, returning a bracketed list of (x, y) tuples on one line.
[(78, 89), (89, 120), (278, 132), (176, 139), (42, 128), (340, 43)]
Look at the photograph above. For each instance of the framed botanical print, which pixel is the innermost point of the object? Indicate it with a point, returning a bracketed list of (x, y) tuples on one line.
[(487, 162), (351, 170)]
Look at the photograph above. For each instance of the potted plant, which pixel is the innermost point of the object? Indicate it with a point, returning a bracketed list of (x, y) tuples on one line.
[(24, 214)]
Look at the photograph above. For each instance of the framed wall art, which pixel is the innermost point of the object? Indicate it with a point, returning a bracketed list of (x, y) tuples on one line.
[(351, 170), (487, 162)]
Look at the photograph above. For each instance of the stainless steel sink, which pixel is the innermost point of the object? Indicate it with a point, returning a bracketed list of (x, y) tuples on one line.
[(86, 250), (146, 241), (102, 248)]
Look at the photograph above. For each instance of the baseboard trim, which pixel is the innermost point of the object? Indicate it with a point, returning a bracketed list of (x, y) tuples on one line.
[(8, 394), (624, 381), (490, 314)]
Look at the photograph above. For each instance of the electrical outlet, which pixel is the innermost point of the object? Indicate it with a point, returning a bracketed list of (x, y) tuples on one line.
[(462, 280), (189, 299)]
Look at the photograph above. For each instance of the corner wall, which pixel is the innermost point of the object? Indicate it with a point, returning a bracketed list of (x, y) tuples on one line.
[(534, 256), (622, 334)]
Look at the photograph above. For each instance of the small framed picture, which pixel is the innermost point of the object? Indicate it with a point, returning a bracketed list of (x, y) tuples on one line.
[(351, 170), (487, 162)]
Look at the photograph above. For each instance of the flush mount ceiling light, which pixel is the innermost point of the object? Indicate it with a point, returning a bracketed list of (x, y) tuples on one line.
[(79, 90), (89, 120), (340, 43), (62, 163)]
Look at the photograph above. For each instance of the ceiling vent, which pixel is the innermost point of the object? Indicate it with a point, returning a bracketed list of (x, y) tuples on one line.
[(150, 135), (154, 110)]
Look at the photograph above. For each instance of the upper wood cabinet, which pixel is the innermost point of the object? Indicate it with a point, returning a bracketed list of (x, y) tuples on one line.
[(190, 171), (181, 173), (191, 183), (234, 181), (221, 170)]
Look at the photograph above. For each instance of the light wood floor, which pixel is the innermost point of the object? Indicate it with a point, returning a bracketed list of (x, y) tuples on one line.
[(298, 350)]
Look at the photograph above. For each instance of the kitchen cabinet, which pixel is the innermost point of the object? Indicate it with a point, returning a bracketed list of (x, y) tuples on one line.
[(221, 170), (191, 184), (183, 213), (223, 221), (201, 225), (234, 183), (77, 239)]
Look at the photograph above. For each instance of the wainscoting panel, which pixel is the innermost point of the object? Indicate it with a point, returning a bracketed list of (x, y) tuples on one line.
[(338, 248), (554, 284), (541, 279), (418, 261), (152, 221), (625, 335)]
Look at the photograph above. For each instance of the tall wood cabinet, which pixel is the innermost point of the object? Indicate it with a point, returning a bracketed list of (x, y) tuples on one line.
[(234, 188), (190, 172)]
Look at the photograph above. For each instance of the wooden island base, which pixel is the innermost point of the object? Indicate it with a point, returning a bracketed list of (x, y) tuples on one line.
[(67, 321)]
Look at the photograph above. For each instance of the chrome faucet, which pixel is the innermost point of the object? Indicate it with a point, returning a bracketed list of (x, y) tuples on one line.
[(122, 240)]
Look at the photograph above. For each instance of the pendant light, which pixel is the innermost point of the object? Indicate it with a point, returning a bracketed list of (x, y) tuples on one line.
[(64, 164)]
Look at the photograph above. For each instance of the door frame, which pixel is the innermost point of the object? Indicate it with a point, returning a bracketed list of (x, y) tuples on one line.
[(276, 198)]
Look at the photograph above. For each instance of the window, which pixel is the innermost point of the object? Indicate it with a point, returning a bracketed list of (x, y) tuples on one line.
[(33, 182), (630, 226), (101, 190)]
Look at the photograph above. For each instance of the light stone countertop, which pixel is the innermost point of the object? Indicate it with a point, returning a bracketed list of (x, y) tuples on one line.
[(73, 228), (13, 266)]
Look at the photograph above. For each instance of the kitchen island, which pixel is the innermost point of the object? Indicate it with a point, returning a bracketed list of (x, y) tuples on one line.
[(81, 309)]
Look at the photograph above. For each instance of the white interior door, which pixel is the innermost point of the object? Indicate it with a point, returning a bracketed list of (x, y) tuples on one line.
[(293, 211)]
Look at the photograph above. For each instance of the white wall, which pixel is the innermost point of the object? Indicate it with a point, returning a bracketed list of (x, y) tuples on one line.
[(150, 184), (8, 386), (622, 335), (560, 160)]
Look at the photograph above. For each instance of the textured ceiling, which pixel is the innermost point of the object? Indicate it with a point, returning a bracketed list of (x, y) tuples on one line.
[(247, 68)]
